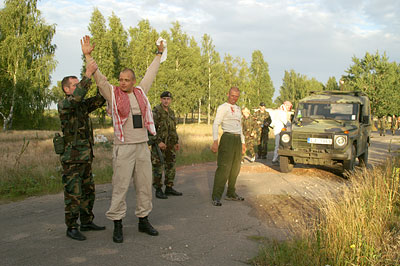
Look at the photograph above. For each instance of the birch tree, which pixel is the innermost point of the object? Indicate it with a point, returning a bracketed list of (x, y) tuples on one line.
[(27, 60)]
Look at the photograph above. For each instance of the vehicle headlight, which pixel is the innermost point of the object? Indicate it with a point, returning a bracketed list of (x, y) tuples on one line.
[(285, 138), (341, 141)]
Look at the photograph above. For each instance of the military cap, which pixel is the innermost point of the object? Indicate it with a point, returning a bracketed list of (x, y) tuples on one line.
[(262, 104), (166, 94)]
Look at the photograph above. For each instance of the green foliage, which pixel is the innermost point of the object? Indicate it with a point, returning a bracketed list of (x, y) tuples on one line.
[(26, 60), (379, 79), (195, 76), (261, 83), (331, 84), (295, 87)]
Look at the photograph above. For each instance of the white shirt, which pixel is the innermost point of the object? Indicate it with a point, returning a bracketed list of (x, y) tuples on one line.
[(230, 118), (279, 119)]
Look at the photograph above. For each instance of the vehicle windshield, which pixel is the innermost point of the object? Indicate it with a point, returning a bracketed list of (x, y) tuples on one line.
[(336, 111)]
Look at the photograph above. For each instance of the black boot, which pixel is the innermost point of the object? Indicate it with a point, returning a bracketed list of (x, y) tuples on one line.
[(160, 194), (75, 234), (146, 227), (92, 227), (171, 191), (117, 235)]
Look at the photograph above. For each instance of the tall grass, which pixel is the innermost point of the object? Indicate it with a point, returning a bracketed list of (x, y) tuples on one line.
[(360, 228), (195, 141), (37, 170)]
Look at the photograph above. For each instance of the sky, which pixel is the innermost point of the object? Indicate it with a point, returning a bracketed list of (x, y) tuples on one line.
[(314, 38)]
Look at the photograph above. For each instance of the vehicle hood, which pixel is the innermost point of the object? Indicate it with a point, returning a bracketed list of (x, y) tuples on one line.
[(324, 126)]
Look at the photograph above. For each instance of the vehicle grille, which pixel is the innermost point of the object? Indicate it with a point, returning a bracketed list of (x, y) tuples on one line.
[(299, 141)]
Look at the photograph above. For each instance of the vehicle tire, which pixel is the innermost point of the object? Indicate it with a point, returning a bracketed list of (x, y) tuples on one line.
[(363, 158), (348, 165), (286, 164)]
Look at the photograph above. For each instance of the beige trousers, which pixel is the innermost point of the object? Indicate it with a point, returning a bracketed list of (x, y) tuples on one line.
[(131, 161)]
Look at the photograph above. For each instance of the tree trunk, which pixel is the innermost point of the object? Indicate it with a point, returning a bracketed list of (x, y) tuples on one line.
[(8, 121), (199, 118), (209, 91)]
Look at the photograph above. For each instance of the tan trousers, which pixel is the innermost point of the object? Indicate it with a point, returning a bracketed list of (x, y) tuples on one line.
[(131, 161)]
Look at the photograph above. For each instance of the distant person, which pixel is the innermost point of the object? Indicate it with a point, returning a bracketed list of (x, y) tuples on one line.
[(263, 120), (132, 119), (279, 119), (393, 124), (230, 148), (77, 152), (249, 128), (382, 125), (165, 144)]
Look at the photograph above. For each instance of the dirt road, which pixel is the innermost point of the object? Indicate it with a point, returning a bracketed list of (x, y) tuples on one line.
[(192, 231)]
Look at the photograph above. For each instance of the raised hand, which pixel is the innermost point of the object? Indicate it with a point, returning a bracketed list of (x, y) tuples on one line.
[(87, 48)]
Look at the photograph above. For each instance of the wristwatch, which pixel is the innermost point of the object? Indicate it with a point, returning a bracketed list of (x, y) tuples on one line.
[(158, 52)]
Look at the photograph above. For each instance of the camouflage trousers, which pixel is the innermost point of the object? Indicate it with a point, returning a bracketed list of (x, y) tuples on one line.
[(263, 146), (79, 193), (169, 155), (251, 142)]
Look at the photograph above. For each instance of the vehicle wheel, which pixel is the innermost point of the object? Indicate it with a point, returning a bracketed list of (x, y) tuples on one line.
[(363, 158), (349, 164), (286, 164)]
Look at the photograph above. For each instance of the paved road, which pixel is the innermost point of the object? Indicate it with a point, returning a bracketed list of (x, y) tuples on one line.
[(192, 231)]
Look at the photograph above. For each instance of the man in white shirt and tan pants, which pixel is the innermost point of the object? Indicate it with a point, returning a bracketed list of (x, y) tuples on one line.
[(230, 148)]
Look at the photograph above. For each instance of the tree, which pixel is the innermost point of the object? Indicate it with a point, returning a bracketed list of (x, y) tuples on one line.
[(296, 87), (27, 60), (141, 51), (379, 79), (331, 84), (261, 81), (210, 73)]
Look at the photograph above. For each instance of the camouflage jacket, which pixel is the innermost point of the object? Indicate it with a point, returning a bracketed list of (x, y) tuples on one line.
[(76, 126), (165, 123), (249, 126), (263, 120)]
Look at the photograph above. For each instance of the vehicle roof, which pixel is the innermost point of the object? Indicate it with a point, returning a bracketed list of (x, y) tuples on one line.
[(337, 97)]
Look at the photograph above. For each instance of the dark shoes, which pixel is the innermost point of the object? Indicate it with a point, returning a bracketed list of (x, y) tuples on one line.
[(117, 234), (172, 192), (235, 197), (160, 194), (216, 202), (75, 234), (92, 227), (146, 227)]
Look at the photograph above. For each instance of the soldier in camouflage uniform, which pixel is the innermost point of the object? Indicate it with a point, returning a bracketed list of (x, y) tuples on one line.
[(382, 125), (249, 129), (263, 121), (164, 146), (393, 124), (79, 189)]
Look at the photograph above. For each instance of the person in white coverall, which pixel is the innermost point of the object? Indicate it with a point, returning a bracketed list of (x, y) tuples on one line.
[(279, 119)]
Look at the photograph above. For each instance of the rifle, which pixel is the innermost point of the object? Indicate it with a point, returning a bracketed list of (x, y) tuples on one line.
[(155, 145), (159, 153)]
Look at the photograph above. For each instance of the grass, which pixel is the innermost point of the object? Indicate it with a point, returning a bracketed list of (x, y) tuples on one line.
[(30, 167), (360, 228)]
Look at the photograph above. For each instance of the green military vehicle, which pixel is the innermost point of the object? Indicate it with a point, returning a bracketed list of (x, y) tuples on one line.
[(330, 128)]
